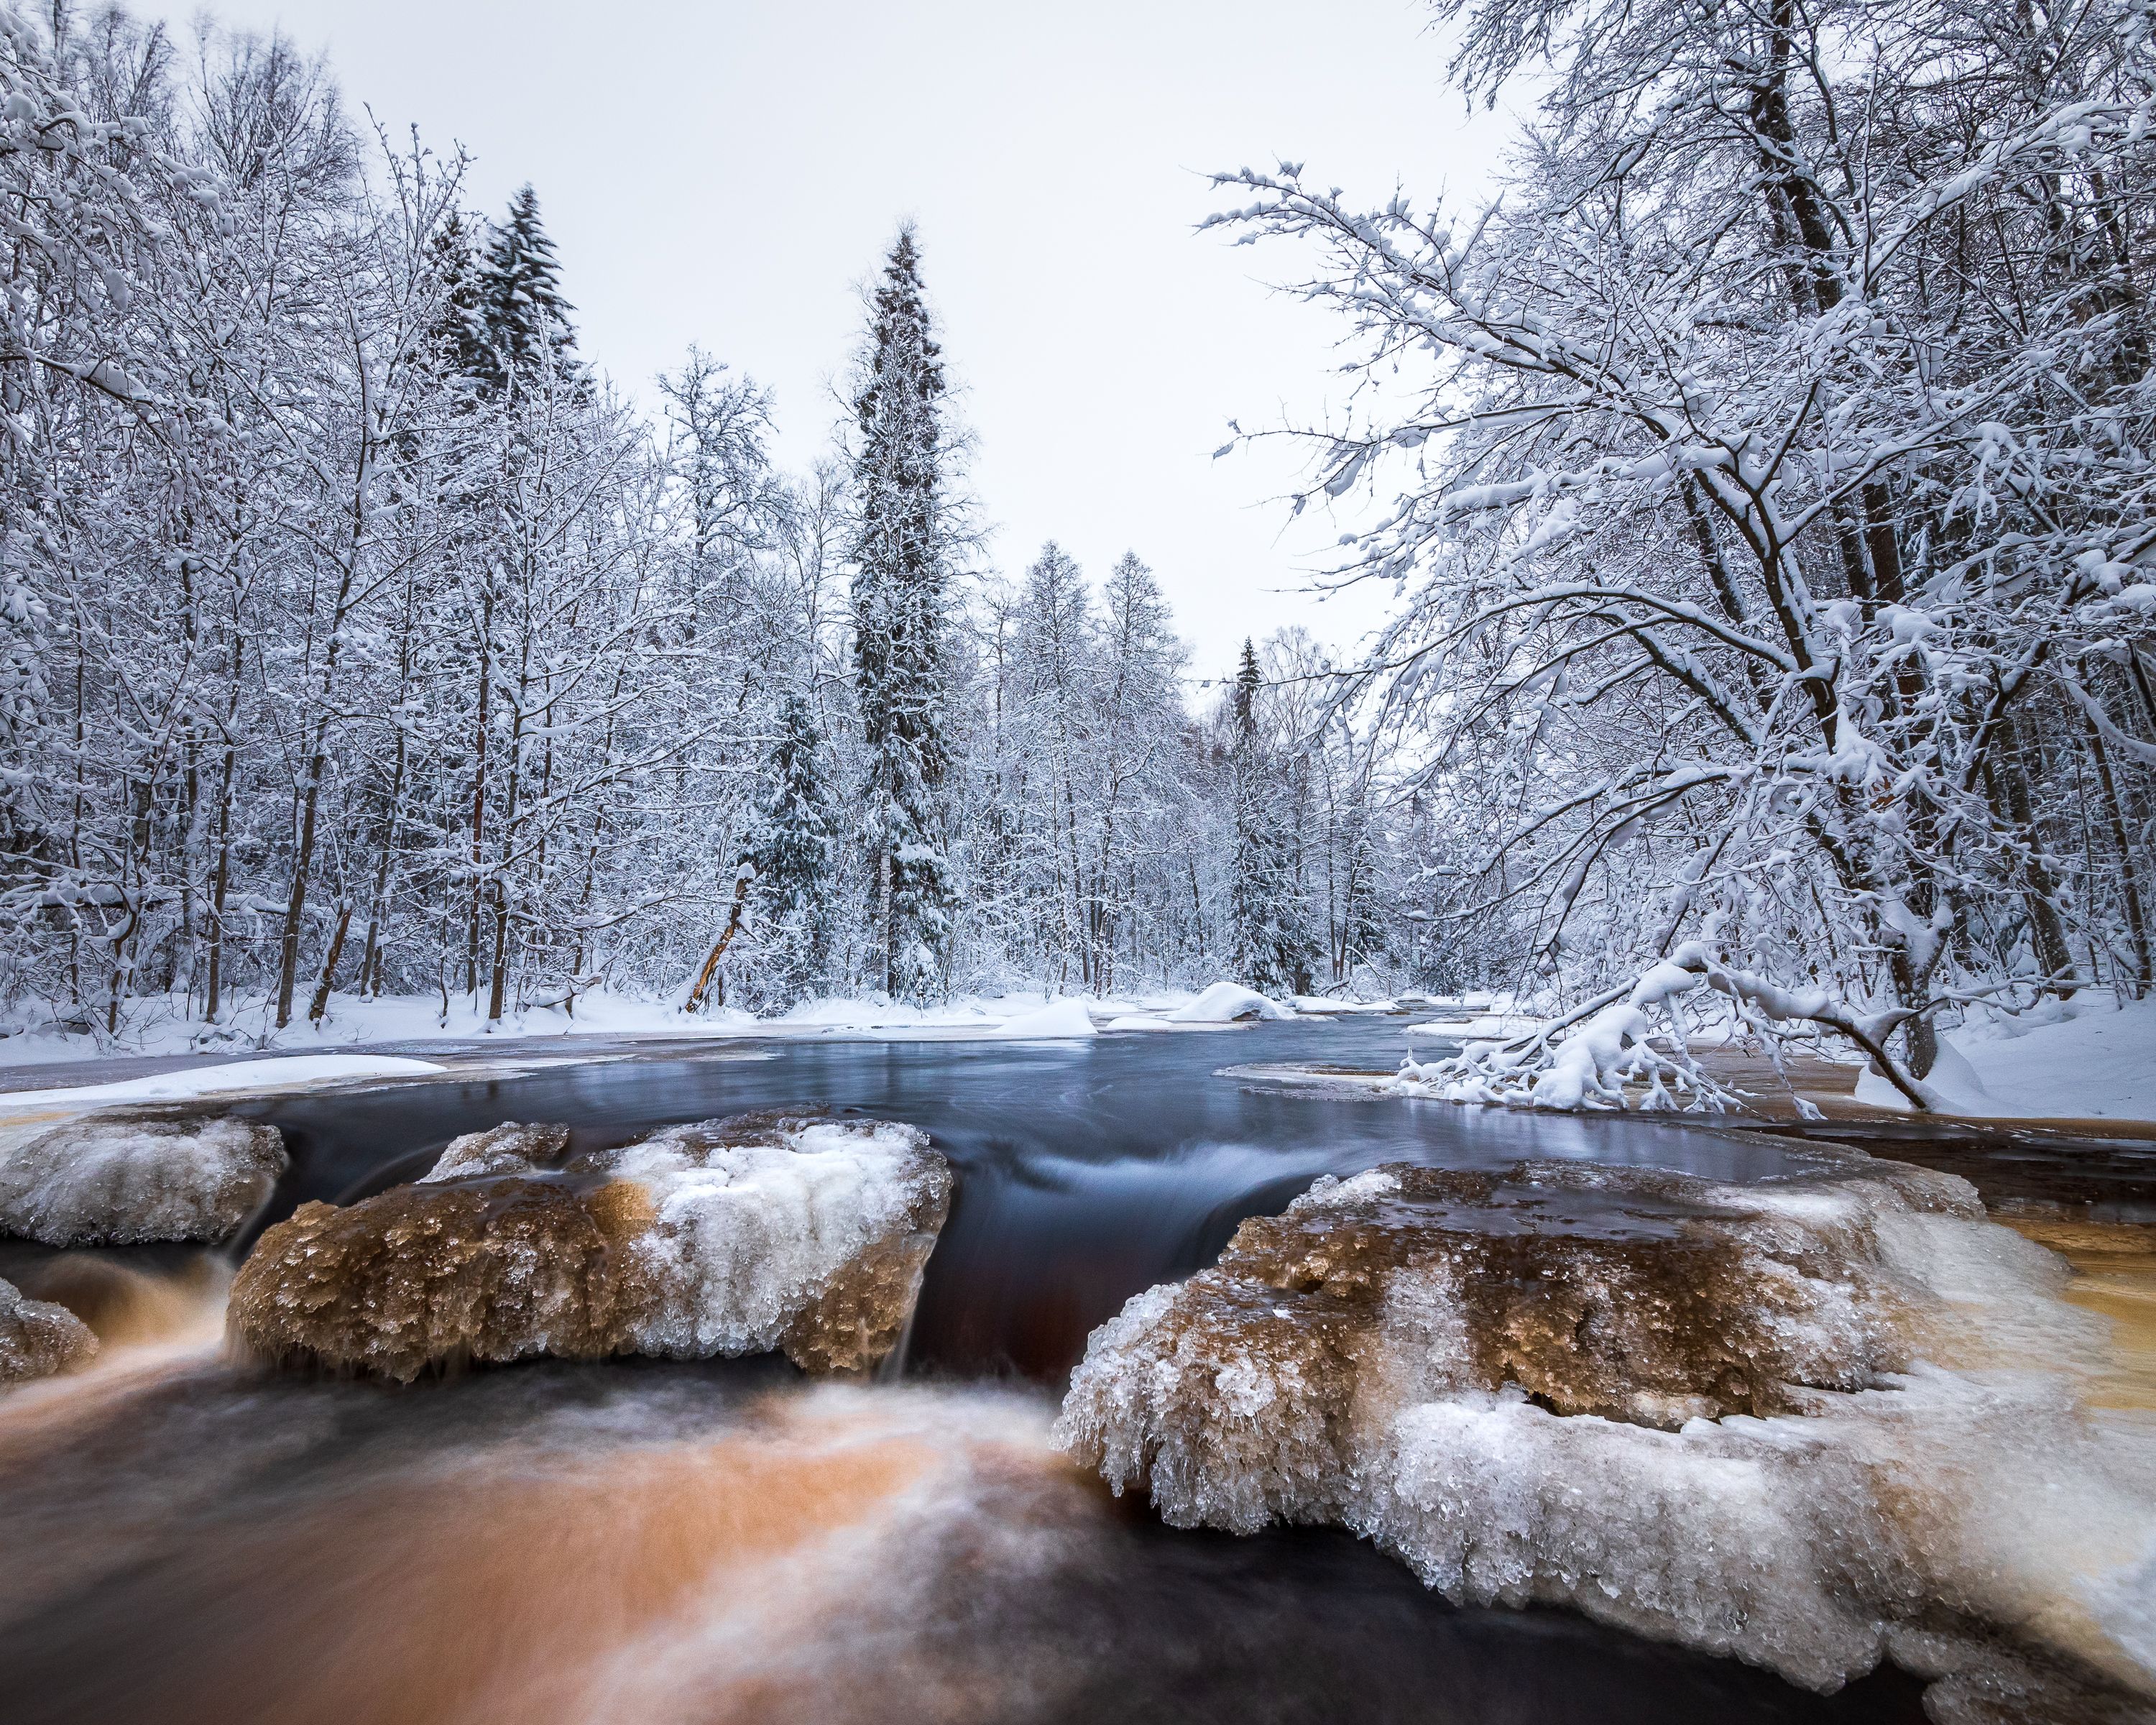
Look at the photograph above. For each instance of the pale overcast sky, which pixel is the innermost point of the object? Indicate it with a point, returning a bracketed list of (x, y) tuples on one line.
[(729, 173)]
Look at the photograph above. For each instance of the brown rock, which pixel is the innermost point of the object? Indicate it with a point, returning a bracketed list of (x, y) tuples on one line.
[(724, 1238), (1641, 1297)]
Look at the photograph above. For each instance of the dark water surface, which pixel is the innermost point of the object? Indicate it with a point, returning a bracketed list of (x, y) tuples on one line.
[(1087, 1171), (187, 1539)]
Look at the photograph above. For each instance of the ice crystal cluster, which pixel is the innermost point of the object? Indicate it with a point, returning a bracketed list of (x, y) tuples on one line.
[(1753, 1419), (38, 1339), (124, 1177), (762, 1233)]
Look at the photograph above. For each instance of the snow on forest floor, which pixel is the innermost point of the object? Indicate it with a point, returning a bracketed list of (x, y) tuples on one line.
[(2086, 1059), (160, 1054)]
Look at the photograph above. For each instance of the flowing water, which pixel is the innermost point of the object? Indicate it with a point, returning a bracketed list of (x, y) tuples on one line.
[(189, 1538)]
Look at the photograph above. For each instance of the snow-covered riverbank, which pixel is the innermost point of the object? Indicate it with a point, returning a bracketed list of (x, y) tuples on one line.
[(159, 1055), (2083, 1060)]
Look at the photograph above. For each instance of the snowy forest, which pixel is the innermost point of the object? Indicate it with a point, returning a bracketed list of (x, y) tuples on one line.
[(361, 635), (1764, 473)]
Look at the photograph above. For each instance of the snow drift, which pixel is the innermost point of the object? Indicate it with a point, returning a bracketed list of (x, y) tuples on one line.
[(1224, 1003), (764, 1232), (1055, 1022), (38, 1339), (1751, 1420), (2086, 1059), (124, 1177)]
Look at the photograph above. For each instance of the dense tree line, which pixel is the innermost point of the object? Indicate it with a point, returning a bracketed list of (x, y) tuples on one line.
[(357, 635), (1767, 473)]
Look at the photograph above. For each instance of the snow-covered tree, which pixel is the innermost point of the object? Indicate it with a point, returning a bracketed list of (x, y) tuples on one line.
[(1267, 915), (356, 636), (524, 326), (900, 554), (1141, 746), (1769, 483), (795, 855)]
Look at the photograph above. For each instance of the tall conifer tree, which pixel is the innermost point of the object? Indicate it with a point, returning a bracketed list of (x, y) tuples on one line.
[(1265, 912), (524, 319), (460, 332), (795, 855), (899, 552)]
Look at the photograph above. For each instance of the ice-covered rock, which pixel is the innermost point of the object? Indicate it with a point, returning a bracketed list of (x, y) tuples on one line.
[(1810, 1424), (510, 1148), (1224, 1003), (38, 1339), (126, 1177), (795, 1233)]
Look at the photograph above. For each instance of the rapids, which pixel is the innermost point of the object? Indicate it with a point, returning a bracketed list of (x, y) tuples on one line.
[(190, 1537)]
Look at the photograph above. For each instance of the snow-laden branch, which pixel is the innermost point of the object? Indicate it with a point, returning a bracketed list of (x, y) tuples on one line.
[(1628, 1047)]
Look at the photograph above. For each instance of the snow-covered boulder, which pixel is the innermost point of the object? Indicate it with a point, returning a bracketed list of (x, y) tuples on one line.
[(1224, 1003), (1057, 1021), (767, 1232), (124, 1177), (38, 1339), (1812, 1425)]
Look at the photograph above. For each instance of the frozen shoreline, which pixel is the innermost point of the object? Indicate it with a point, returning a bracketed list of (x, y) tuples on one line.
[(163, 1056)]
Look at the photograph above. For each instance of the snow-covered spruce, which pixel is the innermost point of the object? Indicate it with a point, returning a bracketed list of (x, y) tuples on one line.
[(765, 1232), (1753, 1419), (38, 1339), (903, 541), (1268, 918), (128, 1176)]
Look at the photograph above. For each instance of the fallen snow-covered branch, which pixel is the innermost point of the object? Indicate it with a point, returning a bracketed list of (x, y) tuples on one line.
[(1626, 1048)]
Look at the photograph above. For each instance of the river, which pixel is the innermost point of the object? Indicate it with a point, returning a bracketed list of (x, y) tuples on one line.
[(190, 1539)]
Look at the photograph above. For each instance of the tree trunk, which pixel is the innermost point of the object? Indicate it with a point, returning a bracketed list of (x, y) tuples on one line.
[(2129, 883), (711, 969), (479, 785), (321, 1003), (222, 883), (2041, 891)]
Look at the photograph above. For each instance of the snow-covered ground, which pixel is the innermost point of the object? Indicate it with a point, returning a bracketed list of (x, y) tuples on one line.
[(291, 1072), (155, 1028), (2081, 1060), (1469, 1017)]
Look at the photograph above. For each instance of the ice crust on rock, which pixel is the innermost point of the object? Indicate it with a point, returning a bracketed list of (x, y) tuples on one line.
[(764, 1232), (1778, 1422), (125, 1178), (779, 1232), (510, 1148), (38, 1339)]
